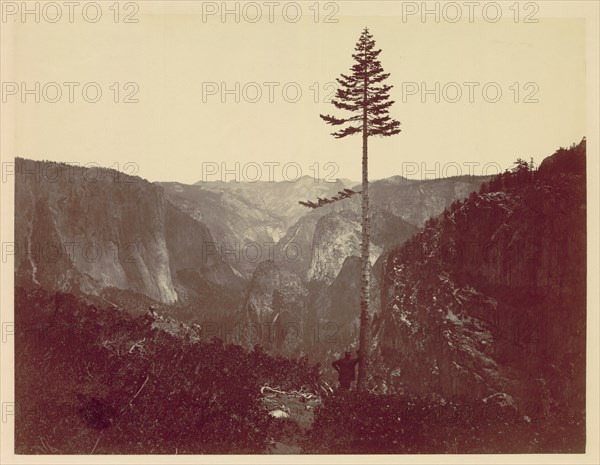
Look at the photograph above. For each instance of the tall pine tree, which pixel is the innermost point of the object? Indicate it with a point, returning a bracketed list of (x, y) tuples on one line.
[(366, 97)]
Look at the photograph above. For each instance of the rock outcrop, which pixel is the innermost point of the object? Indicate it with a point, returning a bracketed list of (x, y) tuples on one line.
[(492, 297), (84, 230)]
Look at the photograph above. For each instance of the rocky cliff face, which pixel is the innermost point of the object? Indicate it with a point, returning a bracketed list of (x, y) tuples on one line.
[(295, 248), (491, 298), (338, 236), (267, 281), (84, 230), (274, 310)]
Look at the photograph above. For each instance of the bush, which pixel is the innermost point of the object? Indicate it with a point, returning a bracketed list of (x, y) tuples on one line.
[(363, 423)]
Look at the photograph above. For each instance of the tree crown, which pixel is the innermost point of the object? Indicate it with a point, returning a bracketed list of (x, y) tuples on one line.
[(364, 94)]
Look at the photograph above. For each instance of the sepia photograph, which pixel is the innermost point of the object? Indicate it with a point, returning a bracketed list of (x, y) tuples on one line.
[(332, 231)]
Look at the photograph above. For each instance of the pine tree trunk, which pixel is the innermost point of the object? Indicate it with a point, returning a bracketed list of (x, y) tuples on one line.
[(364, 367)]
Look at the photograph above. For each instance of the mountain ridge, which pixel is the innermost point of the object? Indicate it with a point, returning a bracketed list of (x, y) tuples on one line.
[(490, 297)]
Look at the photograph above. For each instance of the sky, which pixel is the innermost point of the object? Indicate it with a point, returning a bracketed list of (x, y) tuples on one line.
[(182, 64)]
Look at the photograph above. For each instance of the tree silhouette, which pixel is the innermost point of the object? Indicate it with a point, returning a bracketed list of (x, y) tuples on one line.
[(366, 97), (520, 165)]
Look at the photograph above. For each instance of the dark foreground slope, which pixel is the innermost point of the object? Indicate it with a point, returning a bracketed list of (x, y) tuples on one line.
[(92, 380), (96, 380)]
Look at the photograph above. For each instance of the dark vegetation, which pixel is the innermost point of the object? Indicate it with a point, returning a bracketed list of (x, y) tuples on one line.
[(366, 423), (96, 379)]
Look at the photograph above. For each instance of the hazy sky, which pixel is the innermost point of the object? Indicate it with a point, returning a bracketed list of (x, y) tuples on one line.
[(173, 53)]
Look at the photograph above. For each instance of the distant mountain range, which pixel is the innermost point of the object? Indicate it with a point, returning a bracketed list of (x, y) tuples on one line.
[(247, 219), (110, 231)]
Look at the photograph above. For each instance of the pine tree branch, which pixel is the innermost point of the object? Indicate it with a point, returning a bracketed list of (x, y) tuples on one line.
[(347, 131), (333, 120)]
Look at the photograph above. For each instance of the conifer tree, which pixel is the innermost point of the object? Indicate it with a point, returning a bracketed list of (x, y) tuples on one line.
[(365, 96)]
